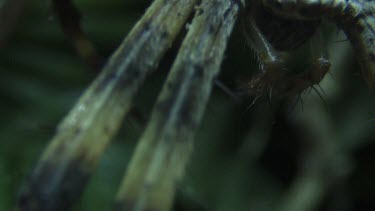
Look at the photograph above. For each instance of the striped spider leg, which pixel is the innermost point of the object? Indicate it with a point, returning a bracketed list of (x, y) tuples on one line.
[(355, 17), (272, 36)]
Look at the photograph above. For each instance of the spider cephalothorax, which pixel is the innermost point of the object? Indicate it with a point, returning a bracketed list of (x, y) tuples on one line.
[(282, 33), (271, 36)]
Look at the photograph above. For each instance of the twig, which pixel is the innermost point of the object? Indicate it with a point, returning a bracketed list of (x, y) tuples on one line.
[(67, 163), (164, 149)]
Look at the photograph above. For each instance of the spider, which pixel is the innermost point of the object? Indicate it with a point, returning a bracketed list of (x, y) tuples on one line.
[(274, 27), (164, 148)]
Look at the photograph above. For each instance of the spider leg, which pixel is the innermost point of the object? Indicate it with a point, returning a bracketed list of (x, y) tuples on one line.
[(271, 62), (361, 33)]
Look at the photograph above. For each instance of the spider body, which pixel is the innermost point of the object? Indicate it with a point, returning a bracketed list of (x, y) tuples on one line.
[(272, 36), (283, 34), (275, 26)]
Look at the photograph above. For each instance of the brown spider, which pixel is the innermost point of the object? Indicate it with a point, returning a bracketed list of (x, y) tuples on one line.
[(277, 26)]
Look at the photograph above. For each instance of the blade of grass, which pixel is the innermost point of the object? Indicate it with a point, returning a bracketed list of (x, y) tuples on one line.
[(164, 148), (65, 166)]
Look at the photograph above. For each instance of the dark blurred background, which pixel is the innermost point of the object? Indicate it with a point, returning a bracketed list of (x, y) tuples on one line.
[(313, 152)]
